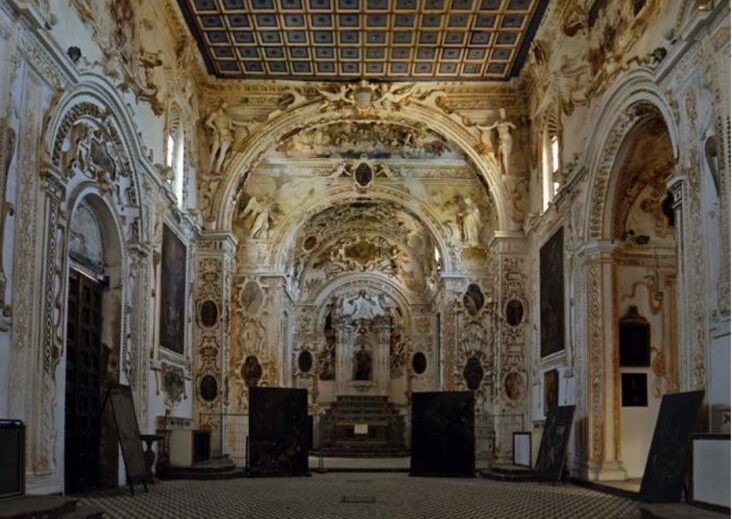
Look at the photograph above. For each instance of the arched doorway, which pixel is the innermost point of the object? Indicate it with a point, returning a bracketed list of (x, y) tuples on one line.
[(92, 347), (641, 223)]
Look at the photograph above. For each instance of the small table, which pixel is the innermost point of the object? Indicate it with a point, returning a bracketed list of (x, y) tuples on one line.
[(149, 439)]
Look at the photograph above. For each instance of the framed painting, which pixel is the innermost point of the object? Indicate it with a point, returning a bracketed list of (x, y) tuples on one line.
[(551, 297), (172, 292)]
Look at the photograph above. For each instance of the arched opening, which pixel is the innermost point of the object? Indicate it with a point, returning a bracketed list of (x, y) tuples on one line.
[(92, 346), (642, 223), (347, 232)]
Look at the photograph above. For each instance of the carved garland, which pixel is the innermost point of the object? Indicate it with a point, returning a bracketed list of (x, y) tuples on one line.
[(595, 361)]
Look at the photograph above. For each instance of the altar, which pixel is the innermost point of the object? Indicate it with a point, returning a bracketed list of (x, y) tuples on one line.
[(362, 422)]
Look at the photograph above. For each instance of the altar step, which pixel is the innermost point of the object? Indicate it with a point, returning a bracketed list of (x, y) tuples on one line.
[(509, 473), (32, 507), (361, 451), (222, 468), (385, 437)]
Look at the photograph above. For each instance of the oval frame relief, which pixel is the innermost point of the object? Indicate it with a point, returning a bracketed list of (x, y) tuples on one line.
[(419, 363), (208, 313), (208, 388), (514, 312)]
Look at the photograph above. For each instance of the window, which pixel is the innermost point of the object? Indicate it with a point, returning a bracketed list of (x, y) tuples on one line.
[(551, 161), (175, 154)]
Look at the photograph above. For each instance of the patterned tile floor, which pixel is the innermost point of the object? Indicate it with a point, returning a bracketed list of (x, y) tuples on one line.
[(362, 496)]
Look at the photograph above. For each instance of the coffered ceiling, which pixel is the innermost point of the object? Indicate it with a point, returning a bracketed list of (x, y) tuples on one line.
[(396, 40)]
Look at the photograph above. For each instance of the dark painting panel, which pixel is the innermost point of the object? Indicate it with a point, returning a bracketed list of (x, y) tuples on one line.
[(551, 389), (667, 459), (553, 448), (443, 434), (634, 389), (280, 431), (551, 297), (172, 292)]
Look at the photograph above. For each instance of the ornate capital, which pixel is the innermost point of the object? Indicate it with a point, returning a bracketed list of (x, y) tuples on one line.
[(677, 188), (54, 186)]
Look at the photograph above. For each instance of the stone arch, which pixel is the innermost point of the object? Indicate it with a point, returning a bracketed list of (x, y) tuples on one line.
[(282, 241), (95, 96), (636, 99), (91, 107), (222, 203), (112, 178)]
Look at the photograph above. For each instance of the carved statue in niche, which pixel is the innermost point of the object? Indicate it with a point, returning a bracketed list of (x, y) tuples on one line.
[(470, 217), (505, 141), (362, 363), (473, 299), (258, 214)]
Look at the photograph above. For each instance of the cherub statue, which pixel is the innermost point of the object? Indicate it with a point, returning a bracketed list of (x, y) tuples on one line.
[(260, 214), (335, 98)]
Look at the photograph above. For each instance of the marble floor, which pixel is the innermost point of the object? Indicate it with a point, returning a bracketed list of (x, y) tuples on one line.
[(362, 496)]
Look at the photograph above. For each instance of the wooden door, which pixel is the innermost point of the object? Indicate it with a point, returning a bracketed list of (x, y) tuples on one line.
[(83, 382)]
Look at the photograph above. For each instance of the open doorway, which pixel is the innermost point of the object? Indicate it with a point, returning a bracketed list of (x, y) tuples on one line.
[(93, 329)]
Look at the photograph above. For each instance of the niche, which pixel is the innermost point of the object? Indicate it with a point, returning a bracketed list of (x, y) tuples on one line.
[(208, 388), (473, 373), (473, 299), (208, 313), (419, 363), (251, 371), (514, 312), (304, 361), (634, 340)]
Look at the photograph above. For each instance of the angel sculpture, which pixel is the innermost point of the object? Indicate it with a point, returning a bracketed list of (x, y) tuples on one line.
[(335, 98), (260, 214), (394, 96)]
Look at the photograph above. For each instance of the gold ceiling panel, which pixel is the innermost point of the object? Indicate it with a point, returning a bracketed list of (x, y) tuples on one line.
[(395, 40)]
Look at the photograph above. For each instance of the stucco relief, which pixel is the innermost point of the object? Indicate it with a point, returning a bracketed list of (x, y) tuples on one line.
[(118, 28)]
